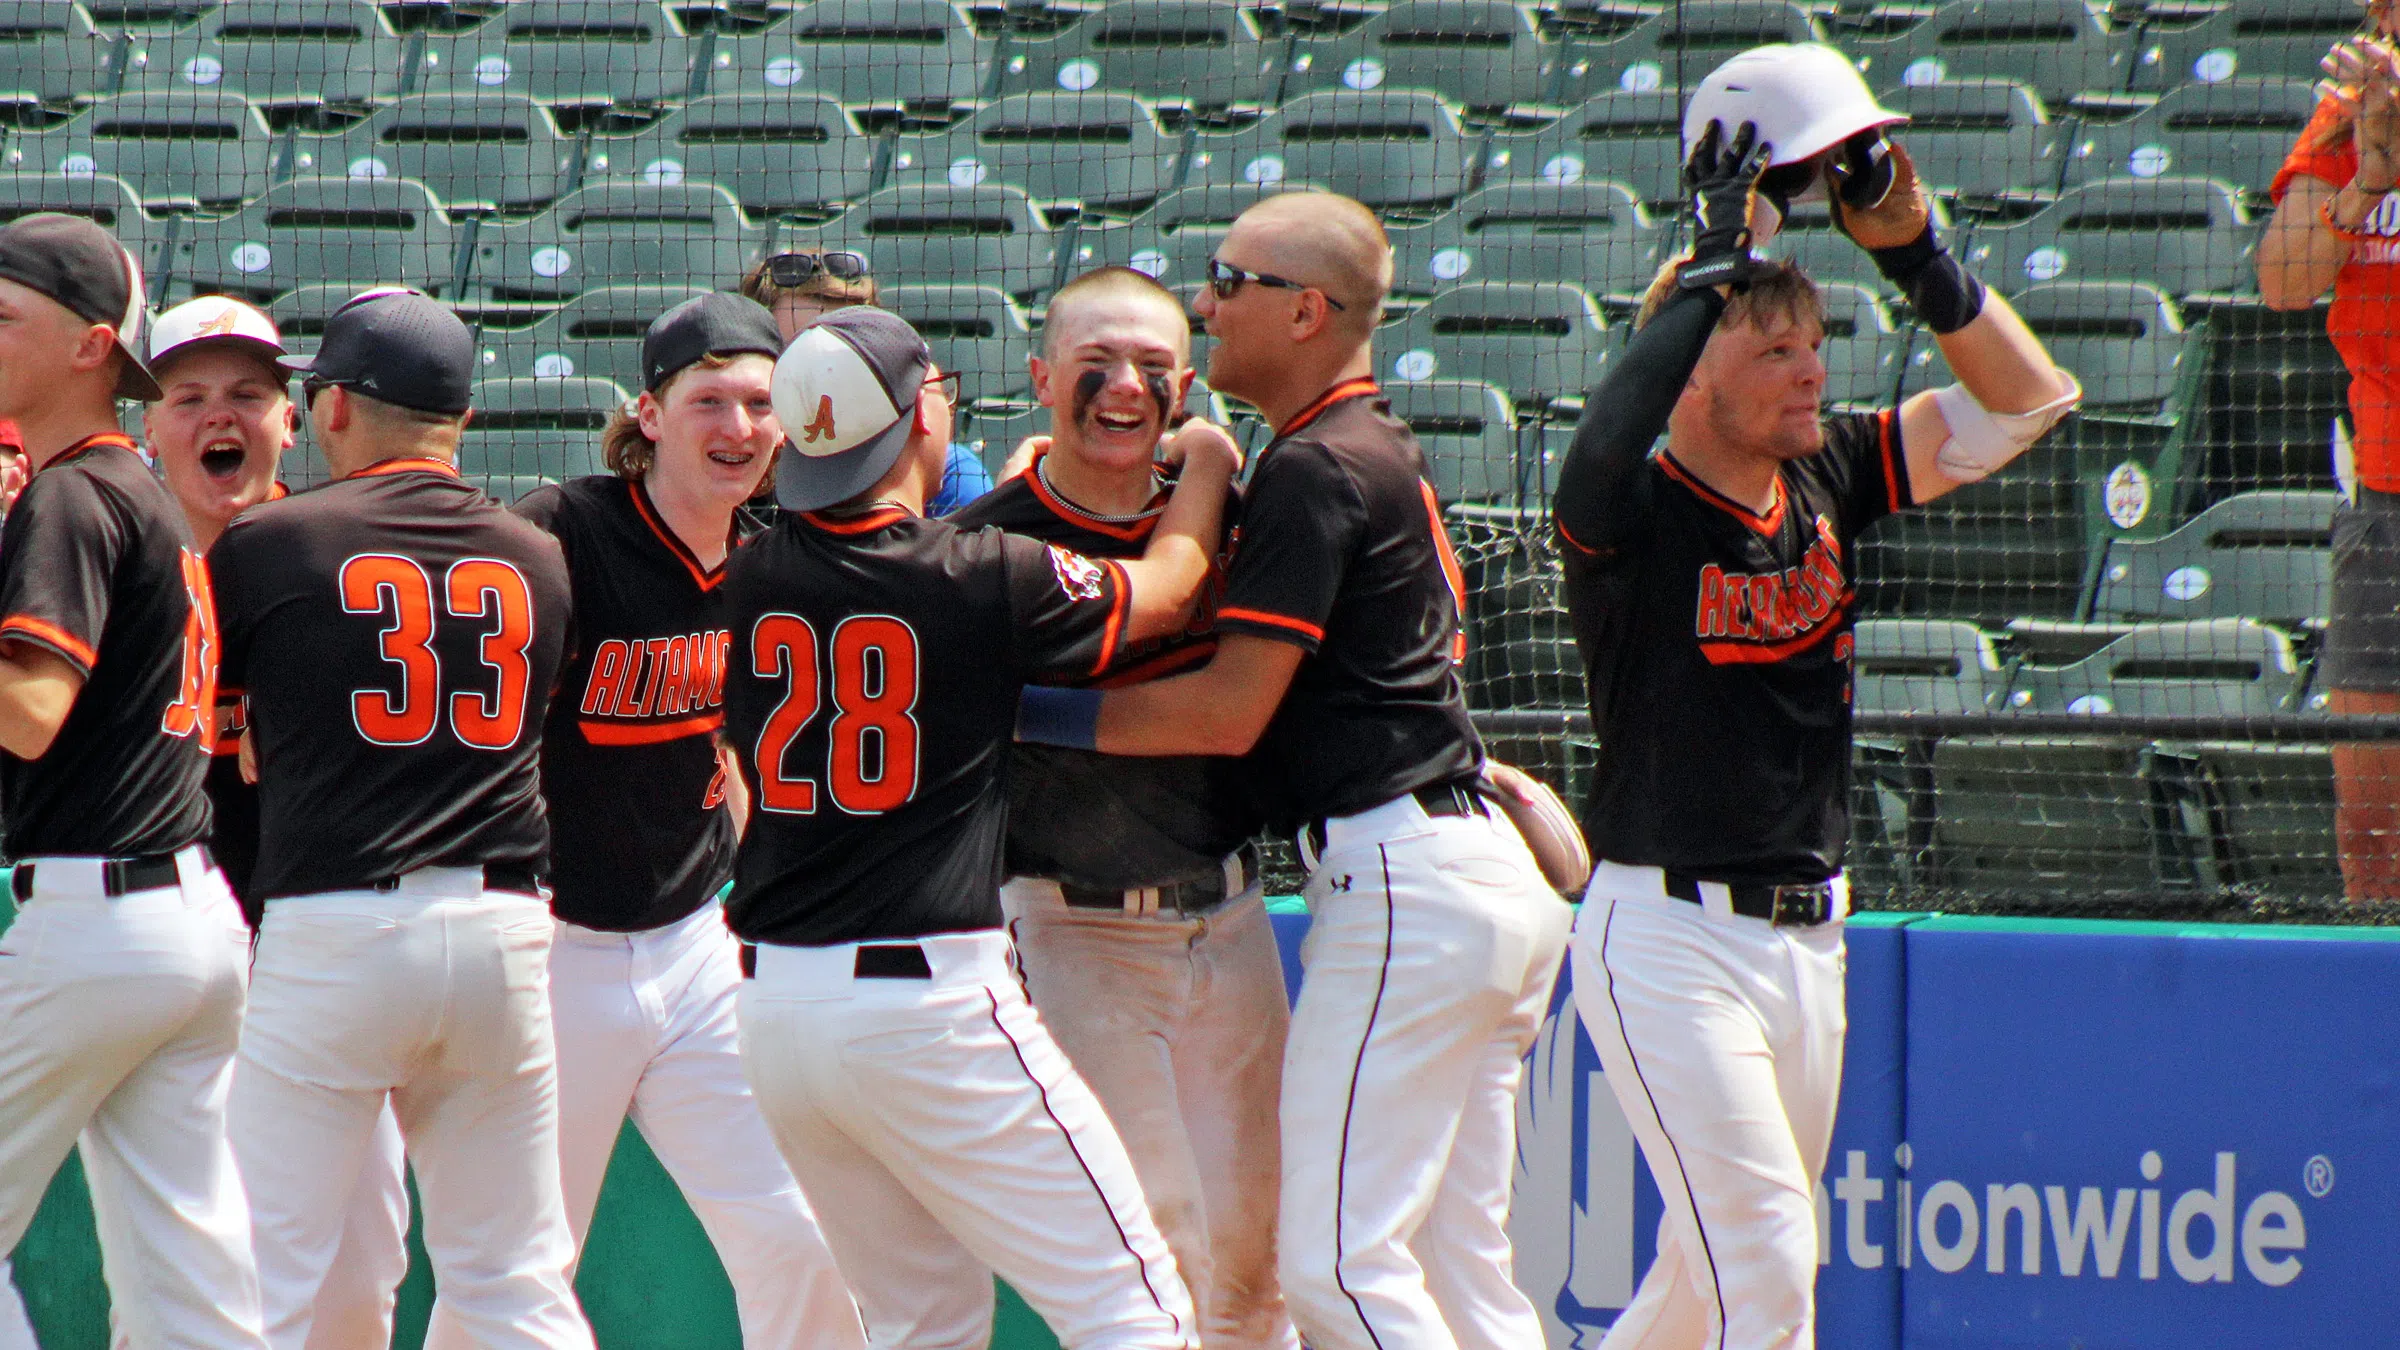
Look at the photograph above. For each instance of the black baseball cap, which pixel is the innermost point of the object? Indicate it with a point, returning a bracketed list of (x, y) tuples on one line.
[(720, 323), (396, 346), (81, 265), (846, 391)]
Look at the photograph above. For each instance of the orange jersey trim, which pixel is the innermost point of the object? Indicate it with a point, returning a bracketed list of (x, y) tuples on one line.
[(1887, 424), (407, 465), (866, 524), (649, 733), (1767, 653), (1570, 540), (706, 578), (91, 442), (1119, 606), (1131, 531), (1284, 621), (51, 635), (1766, 524), (1362, 387)]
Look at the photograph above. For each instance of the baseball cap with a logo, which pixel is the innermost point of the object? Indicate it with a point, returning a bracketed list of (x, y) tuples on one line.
[(846, 392), (396, 346), (214, 321), (82, 266)]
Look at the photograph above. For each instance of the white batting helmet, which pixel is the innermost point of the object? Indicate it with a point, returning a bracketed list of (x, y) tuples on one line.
[(1806, 98)]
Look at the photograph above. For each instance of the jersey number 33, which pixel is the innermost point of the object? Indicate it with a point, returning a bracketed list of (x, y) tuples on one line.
[(486, 592)]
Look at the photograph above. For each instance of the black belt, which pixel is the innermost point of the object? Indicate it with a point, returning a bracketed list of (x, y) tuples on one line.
[(118, 876), (517, 877), (875, 961), (1194, 895), (1789, 906), (1456, 797)]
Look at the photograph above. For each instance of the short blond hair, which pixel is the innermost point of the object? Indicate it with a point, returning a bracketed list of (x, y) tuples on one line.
[(1102, 282), (1777, 290)]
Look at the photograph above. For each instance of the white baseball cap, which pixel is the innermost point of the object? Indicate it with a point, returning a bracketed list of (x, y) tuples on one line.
[(1805, 98), (846, 393), (214, 320)]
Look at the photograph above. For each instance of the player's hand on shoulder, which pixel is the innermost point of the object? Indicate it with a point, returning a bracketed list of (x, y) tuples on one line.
[(1022, 458), (1199, 442), (1902, 217)]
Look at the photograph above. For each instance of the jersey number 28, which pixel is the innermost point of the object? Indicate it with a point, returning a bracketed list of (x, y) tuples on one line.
[(871, 758), (485, 591)]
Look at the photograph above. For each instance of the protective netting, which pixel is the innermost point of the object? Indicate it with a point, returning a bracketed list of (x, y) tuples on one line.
[(563, 170)]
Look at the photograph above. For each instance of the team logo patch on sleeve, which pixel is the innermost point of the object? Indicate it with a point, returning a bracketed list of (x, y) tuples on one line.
[(1079, 576)]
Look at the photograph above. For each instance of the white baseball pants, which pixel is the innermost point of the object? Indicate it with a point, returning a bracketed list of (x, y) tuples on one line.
[(645, 1024), (118, 1022), (1722, 1038), (1430, 960), (435, 994), (1178, 1025), (943, 1137)]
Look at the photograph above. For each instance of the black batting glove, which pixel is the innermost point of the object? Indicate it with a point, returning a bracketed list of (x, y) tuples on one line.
[(1721, 177)]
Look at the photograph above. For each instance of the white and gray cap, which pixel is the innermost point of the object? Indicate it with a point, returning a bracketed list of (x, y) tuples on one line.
[(846, 393), (214, 321)]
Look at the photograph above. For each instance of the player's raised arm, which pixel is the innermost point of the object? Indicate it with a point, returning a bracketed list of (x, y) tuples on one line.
[(1166, 580)]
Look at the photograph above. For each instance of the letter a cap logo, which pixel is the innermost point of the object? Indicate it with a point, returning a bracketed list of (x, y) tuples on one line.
[(846, 391)]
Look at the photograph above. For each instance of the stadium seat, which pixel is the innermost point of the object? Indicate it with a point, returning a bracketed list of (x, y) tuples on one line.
[(171, 148), (1862, 348), (1103, 150), (1541, 342), (2210, 44), (564, 51), (914, 233), (1205, 53), (52, 51), (597, 334), (1672, 46), (915, 54), (476, 151), (1633, 138), (2060, 47), (977, 331), (2267, 554), (2035, 818), (779, 154), (357, 232), (276, 52), (300, 313), (1476, 53), (2197, 668), (1468, 431), (2274, 807), (1589, 234), (1924, 665), (1807, 237), (598, 235), (2123, 339), (2014, 544), (96, 197), (2186, 235), (2238, 131), (1174, 239), (1391, 150), (1978, 139), (541, 429)]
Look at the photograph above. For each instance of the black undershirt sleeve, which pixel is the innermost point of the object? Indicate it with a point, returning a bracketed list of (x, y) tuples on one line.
[(1603, 505)]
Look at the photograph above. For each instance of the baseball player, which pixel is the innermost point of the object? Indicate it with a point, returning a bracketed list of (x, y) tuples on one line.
[(122, 983), (397, 636), (642, 970), (1710, 590), (1435, 941), (218, 431), (1134, 899), (877, 658)]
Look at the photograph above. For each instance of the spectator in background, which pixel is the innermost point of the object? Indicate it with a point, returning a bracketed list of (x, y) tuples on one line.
[(804, 286), (2337, 226)]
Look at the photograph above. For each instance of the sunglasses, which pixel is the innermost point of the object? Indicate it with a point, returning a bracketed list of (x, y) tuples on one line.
[(797, 269), (1224, 279)]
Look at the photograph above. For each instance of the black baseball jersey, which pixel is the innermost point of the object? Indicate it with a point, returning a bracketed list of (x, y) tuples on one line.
[(1341, 552), (1717, 643), (397, 635), (233, 838), (872, 697), (98, 567), (639, 833), (1108, 821)]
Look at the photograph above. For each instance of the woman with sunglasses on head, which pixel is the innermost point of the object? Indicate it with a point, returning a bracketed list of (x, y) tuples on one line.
[(804, 286)]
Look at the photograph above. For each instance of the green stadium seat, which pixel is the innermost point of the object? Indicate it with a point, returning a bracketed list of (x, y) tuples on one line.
[(1673, 47), (1476, 53), (2013, 544), (564, 51), (1862, 348), (2060, 47), (598, 235), (341, 52), (1468, 431), (300, 313), (2173, 668), (1391, 150), (915, 54), (171, 148), (52, 51), (1520, 651), (1590, 234), (98, 197), (779, 154), (977, 331), (2267, 554), (598, 334), (358, 232), (1542, 342), (542, 429), (1807, 237), (476, 151), (2123, 339), (1979, 139), (2189, 43), (2043, 817), (2185, 235), (1631, 138), (2238, 131), (913, 233), (1924, 666), (1205, 53), (1174, 239), (1102, 150), (2273, 804)]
